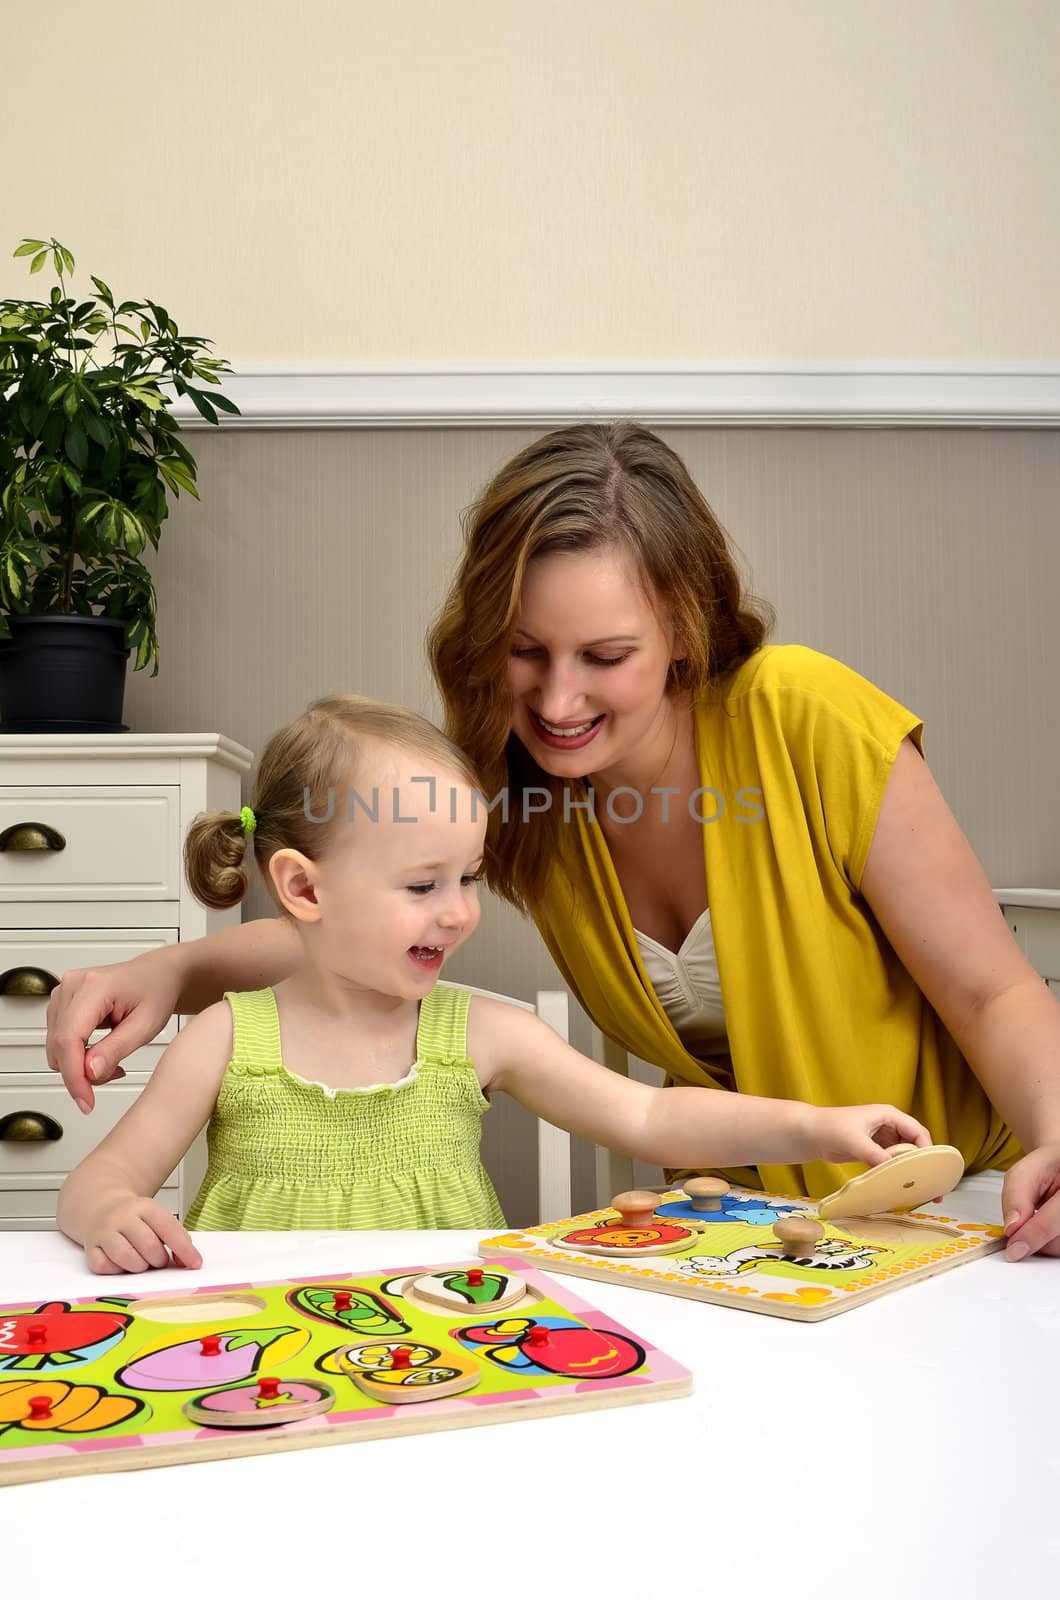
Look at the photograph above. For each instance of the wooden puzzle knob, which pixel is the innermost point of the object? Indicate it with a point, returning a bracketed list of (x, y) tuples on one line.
[(798, 1235), (636, 1207), (705, 1193)]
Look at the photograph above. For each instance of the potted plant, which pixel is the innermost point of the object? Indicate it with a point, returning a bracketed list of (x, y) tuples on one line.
[(89, 453)]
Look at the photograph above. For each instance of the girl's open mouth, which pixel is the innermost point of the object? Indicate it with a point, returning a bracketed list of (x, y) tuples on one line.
[(430, 956)]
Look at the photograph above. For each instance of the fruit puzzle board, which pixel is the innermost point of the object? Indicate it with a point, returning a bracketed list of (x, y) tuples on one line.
[(731, 1255), (138, 1380)]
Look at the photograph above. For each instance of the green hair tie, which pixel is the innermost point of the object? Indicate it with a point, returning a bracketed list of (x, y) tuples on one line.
[(247, 820)]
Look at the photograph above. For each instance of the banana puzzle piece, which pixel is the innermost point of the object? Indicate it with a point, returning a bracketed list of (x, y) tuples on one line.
[(908, 1179)]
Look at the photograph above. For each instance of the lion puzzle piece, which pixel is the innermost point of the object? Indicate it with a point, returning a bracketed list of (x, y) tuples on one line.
[(910, 1177), (638, 1232)]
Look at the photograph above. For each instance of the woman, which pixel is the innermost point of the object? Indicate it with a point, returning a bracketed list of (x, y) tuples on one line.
[(735, 852)]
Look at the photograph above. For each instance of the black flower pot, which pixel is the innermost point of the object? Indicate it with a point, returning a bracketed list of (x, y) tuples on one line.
[(63, 674)]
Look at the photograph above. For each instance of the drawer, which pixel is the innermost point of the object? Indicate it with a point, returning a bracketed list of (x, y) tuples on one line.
[(46, 1162), (1037, 932), (27, 1062), (96, 843), (23, 1017), (34, 1209)]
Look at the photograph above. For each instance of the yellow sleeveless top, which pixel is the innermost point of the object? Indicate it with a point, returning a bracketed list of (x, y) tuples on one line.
[(794, 750)]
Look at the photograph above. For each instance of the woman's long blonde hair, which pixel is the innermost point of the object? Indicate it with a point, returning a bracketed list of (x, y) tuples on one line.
[(322, 750), (582, 488)]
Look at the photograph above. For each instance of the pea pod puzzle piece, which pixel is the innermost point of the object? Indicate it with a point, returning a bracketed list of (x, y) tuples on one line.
[(470, 1289)]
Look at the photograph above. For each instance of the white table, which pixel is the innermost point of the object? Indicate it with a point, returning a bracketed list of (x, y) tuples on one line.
[(903, 1449)]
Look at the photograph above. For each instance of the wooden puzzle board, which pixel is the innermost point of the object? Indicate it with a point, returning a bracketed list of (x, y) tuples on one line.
[(115, 1373), (735, 1259)]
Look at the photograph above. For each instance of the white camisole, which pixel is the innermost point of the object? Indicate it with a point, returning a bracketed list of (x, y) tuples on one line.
[(687, 984)]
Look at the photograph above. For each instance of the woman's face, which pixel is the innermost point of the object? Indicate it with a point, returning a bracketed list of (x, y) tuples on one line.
[(588, 667)]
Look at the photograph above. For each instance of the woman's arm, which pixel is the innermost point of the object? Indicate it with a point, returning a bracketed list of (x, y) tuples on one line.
[(676, 1127), (934, 903), (135, 999), (106, 1203)]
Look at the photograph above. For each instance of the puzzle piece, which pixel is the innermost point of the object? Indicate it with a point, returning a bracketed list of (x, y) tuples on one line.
[(908, 1179)]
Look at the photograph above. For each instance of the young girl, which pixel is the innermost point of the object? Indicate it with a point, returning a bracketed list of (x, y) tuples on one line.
[(351, 1095)]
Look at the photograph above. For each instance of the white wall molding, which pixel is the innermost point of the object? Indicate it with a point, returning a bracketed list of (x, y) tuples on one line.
[(748, 396)]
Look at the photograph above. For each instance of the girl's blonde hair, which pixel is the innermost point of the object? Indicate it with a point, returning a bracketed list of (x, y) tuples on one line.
[(582, 488), (323, 749)]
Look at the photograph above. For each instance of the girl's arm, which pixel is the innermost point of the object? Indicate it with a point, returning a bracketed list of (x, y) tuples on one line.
[(135, 999), (676, 1127), (106, 1203), (932, 899)]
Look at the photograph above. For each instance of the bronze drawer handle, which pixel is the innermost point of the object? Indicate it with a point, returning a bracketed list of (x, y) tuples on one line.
[(29, 1127), (31, 836), (27, 983)]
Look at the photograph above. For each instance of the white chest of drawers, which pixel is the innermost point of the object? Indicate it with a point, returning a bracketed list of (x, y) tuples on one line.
[(1034, 918), (91, 833)]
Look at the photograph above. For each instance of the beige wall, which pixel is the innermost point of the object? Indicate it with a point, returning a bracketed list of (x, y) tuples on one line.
[(541, 180), (926, 559)]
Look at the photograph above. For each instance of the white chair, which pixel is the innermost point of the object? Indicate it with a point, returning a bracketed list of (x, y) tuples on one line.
[(553, 1144), (614, 1172)]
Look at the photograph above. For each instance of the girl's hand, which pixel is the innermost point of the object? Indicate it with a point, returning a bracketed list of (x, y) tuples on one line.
[(1030, 1204), (134, 1235), (864, 1133), (134, 1001)]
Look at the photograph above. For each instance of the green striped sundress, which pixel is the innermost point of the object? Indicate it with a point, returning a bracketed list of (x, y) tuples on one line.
[(288, 1153)]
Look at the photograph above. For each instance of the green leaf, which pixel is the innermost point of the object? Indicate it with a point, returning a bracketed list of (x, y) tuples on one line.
[(109, 526), (72, 478), (29, 246), (67, 258), (202, 404), (105, 293), (96, 428), (147, 395), (132, 532), (76, 444), (38, 261), (178, 478)]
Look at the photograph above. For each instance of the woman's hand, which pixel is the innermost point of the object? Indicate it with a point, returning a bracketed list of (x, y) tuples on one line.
[(1030, 1204), (133, 999), (134, 1235), (864, 1133)]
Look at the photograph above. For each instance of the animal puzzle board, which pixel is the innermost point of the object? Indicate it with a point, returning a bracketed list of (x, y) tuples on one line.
[(138, 1380), (731, 1256)]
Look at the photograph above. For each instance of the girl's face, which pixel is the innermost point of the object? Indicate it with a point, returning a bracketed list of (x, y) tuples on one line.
[(397, 890), (588, 667)]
